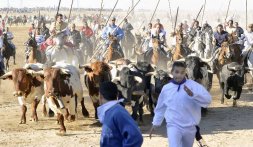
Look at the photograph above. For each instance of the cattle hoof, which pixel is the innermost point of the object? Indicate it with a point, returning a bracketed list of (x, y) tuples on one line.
[(234, 103), (61, 133), (85, 113), (228, 96), (22, 122)]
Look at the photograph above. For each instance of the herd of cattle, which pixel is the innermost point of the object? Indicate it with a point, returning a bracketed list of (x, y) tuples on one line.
[(138, 83)]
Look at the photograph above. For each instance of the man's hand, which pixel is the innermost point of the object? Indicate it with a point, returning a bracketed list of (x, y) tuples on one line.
[(151, 132), (188, 91)]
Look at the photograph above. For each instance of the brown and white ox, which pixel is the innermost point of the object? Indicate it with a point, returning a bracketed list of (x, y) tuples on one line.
[(27, 88), (96, 73), (62, 81)]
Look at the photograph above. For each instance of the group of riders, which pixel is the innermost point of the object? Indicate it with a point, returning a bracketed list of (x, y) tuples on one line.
[(97, 39)]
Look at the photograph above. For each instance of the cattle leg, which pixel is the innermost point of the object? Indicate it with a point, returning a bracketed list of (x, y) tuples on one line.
[(23, 117), (96, 105), (34, 112), (226, 90), (44, 110), (135, 110), (141, 112), (50, 113), (151, 104), (66, 116), (62, 126), (222, 95), (84, 110), (14, 59)]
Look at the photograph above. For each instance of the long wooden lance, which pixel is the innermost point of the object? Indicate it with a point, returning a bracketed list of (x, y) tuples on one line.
[(246, 14), (227, 10), (154, 11), (203, 13), (70, 10), (58, 8), (196, 18), (100, 11), (176, 19), (111, 12), (171, 19)]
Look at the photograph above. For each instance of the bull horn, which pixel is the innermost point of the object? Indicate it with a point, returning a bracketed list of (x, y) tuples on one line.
[(181, 60), (248, 68), (137, 79), (233, 68), (65, 71), (171, 75), (6, 75), (153, 66), (150, 73), (38, 73), (116, 79), (83, 66), (30, 72)]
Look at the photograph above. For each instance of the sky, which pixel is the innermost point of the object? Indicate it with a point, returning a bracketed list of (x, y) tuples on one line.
[(212, 5)]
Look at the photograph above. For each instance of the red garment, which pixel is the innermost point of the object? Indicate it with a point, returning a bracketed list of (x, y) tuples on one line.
[(47, 43), (87, 31), (30, 31)]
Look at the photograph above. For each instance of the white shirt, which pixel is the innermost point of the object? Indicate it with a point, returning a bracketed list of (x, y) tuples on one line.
[(178, 108), (248, 40)]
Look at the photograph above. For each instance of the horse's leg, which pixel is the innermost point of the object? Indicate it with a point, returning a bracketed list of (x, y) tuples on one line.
[(14, 58)]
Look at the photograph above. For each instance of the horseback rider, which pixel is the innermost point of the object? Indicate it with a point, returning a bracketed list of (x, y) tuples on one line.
[(230, 27), (193, 31), (159, 34), (220, 36), (10, 37), (59, 25), (127, 28), (75, 36), (248, 41), (158, 22), (44, 31), (112, 29)]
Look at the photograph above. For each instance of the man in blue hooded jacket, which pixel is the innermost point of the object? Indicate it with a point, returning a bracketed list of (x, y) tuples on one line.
[(119, 129)]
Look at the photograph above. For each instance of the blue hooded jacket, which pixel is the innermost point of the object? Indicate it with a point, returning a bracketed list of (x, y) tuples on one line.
[(119, 129)]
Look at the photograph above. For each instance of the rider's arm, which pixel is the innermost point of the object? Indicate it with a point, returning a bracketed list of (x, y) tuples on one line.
[(120, 33), (104, 33)]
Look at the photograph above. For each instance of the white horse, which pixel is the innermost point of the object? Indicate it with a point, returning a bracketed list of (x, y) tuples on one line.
[(59, 53)]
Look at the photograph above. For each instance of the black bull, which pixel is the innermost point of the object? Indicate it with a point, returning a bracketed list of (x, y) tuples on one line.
[(232, 78), (133, 85)]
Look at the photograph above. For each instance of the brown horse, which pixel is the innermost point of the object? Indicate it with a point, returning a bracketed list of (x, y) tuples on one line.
[(158, 58), (113, 53), (35, 55), (179, 51)]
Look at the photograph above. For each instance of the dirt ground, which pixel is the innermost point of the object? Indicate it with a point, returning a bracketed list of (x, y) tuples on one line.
[(224, 126)]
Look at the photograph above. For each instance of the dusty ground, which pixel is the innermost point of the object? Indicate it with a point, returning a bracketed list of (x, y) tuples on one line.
[(224, 126)]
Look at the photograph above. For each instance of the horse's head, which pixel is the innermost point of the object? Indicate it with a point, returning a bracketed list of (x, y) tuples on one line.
[(226, 50), (232, 38), (31, 42), (113, 39), (179, 37)]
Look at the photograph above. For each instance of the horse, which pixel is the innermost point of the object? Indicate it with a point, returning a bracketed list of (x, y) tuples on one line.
[(7, 51), (198, 45), (114, 51), (127, 43), (34, 55), (59, 52), (159, 57), (179, 51), (86, 47)]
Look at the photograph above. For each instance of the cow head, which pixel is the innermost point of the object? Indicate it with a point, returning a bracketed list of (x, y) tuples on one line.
[(126, 82), (161, 78), (23, 81), (97, 72)]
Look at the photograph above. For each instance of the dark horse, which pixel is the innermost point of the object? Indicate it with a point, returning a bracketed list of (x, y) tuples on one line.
[(86, 47), (7, 51), (128, 43), (114, 51), (34, 55)]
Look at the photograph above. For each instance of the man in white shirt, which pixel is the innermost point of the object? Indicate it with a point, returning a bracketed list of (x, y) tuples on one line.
[(180, 104), (248, 41)]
